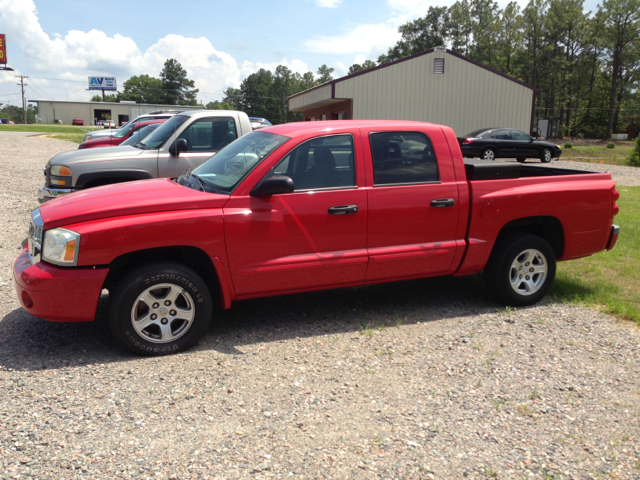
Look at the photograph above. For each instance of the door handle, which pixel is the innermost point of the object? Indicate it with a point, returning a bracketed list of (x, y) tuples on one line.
[(443, 202), (343, 209)]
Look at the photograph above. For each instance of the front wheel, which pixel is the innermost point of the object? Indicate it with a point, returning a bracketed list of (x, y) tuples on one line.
[(489, 154), (160, 308), (545, 156), (520, 270)]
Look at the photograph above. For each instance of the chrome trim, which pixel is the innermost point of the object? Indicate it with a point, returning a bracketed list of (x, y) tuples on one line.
[(49, 193), (35, 236)]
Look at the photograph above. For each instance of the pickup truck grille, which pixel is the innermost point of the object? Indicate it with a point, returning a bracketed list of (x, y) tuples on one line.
[(35, 235)]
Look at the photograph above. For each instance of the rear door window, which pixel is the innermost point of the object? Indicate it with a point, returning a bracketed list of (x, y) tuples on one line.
[(402, 158)]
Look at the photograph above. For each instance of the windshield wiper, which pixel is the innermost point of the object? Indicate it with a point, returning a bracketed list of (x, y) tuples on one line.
[(200, 181)]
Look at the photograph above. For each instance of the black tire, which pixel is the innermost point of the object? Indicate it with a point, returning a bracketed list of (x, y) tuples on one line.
[(489, 154), (545, 155), (183, 320), (521, 159), (508, 283)]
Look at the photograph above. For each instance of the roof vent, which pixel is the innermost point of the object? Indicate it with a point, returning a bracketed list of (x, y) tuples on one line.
[(440, 49)]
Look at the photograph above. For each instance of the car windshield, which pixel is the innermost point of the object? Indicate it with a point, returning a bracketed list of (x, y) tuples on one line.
[(225, 170), (125, 130), (140, 134), (161, 134)]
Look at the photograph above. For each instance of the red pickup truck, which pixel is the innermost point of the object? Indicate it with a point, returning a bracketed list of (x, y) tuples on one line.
[(302, 207)]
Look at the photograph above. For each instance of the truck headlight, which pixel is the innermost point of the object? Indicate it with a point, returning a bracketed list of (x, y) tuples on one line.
[(60, 247), (63, 173)]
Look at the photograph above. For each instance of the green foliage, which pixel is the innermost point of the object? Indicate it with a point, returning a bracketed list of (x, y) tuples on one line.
[(366, 65), (16, 114), (142, 89), (568, 145), (217, 105), (611, 145), (324, 74), (107, 98), (634, 156), (177, 89)]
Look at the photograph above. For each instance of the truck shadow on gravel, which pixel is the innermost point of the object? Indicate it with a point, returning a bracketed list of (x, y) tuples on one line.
[(29, 343)]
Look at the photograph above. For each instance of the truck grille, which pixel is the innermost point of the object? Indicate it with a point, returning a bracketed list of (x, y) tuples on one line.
[(35, 235)]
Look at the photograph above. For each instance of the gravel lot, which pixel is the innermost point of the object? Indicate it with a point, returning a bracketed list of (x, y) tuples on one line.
[(421, 379)]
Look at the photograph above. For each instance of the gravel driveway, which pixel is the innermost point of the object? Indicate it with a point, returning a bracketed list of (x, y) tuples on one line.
[(420, 379)]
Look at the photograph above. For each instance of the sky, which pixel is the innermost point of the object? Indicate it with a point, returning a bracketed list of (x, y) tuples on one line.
[(59, 43)]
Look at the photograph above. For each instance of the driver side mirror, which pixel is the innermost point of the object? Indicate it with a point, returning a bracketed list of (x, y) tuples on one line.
[(180, 145), (273, 186)]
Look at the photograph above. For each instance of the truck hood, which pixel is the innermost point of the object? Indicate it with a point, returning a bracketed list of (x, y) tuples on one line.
[(92, 154), (129, 198)]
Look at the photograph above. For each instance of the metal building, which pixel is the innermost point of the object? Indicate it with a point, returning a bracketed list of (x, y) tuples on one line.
[(437, 85), (90, 112)]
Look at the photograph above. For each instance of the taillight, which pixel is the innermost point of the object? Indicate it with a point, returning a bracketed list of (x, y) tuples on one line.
[(467, 141), (615, 208)]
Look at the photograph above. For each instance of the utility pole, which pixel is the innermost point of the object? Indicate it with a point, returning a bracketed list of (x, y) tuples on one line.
[(24, 103)]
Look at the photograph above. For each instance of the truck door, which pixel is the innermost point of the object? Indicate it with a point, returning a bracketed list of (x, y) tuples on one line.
[(312, 237), (204, 137), (413, 204)]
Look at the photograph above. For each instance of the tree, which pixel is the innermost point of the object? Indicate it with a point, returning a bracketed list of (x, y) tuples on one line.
[(621, 22), (107, 98), (177, 89), (460, 27), (217, 105), (366, 65), (324, 74), (142, 89)]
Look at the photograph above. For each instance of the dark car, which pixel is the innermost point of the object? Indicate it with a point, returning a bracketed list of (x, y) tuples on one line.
[(492, 143)]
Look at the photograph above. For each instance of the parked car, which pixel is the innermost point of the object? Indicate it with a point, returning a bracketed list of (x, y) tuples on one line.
[(258, 122), (158, 115), (492, 143), (122, 135), (5, 121), (140, 134), (108, 123), (183, 141), (301, 207), (77, 121)]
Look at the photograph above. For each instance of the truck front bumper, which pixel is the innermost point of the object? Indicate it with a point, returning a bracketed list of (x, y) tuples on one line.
[(56, 293), (49, 193)]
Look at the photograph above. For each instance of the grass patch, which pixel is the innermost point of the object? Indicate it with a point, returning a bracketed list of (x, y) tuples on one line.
[(69, 137), (42, 127), (599, 153), (608, 280)]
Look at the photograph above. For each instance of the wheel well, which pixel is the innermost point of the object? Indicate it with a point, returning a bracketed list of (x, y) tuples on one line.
[(548, 228), (195, 258), (107, 181)]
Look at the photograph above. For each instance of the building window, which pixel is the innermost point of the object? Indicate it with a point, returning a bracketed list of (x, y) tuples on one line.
[(341, 116), (438, 65), (324, 116)]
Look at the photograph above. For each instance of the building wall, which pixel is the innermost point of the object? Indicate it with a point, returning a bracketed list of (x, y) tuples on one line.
[(312, 96), (67, 111), (331, 111), (466, 97)]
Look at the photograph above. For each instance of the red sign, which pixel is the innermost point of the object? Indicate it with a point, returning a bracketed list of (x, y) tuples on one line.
[(3, 48)]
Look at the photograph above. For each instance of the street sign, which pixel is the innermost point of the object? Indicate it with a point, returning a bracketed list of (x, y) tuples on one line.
[(102, 83)]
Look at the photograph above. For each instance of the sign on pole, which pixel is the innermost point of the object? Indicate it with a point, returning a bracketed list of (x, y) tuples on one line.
[(3, 49), (102, 83)]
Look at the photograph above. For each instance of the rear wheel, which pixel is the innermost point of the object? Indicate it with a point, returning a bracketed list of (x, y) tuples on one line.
[(521, 159), (545, 156), (160, 308), (520, 270), (489, 154)]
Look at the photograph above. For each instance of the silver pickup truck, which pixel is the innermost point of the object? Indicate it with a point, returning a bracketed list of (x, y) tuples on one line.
[(184, 141)]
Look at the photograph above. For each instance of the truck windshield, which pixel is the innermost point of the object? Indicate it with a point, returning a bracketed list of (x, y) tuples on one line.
[(124, 130), (162, 133), (226, 169)]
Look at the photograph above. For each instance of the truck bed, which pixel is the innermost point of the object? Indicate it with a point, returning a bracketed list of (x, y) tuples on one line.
[(477, 169)]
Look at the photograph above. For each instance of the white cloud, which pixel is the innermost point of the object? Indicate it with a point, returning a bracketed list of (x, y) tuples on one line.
[(370, 40), (76, 55), (327, 3)]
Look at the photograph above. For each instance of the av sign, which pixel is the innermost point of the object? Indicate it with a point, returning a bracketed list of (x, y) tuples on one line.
[(102, 83)]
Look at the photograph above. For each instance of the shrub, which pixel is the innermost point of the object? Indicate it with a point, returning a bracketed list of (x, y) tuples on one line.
[(611, 145), (634, 156), (568, 145)]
